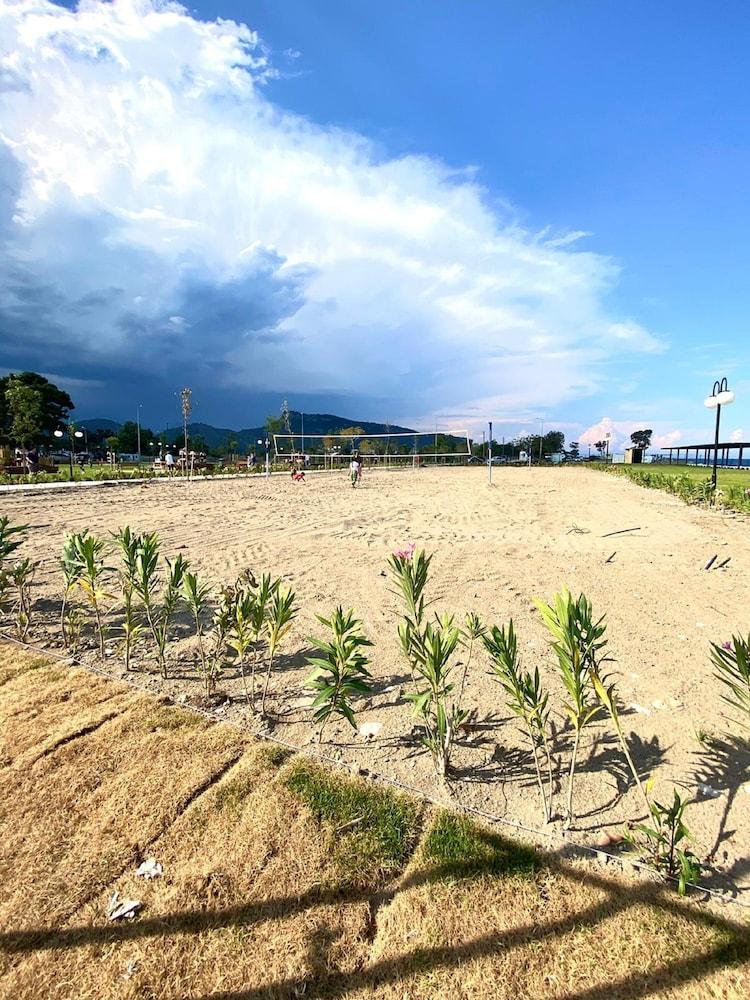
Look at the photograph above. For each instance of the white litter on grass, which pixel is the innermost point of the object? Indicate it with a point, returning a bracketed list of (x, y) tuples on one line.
[(119, 909), (635, 707), (369, 729), (150, 868)]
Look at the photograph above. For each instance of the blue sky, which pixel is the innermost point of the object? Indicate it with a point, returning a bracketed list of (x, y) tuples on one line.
[(449, 211)]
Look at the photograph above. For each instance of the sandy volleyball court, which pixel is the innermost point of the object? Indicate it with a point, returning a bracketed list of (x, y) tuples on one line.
[(495, 549)]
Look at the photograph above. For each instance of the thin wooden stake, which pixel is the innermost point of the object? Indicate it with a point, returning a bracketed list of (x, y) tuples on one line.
[(622, 531), (710, 562)]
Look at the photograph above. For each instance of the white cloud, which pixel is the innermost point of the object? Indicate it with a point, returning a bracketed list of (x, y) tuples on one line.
[(157, 176), (663, 436)]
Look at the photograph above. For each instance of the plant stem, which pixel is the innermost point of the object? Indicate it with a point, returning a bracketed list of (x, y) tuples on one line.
[(545, 806), (571, 776), (271, 651)]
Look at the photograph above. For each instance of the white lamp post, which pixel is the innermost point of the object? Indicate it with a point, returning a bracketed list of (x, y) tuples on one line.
[(73, 434), (720, 396)]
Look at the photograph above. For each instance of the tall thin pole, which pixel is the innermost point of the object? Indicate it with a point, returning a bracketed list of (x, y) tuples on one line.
[(138, 426), (302, 415), (489, 463), (716, 447), (541, 442)]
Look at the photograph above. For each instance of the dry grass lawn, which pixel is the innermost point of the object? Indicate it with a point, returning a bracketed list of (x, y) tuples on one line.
[(282, 879)]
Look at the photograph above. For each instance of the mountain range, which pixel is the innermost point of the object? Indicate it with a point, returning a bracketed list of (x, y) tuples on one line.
[(216, 437)]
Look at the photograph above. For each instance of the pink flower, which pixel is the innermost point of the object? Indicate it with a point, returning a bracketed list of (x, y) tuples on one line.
[(726, 645), (406, 553)]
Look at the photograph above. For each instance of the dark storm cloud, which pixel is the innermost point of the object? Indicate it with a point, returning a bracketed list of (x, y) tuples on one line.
[(78, 300)]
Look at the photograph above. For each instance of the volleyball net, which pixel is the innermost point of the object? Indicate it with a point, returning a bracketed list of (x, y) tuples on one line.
[(389, 450)]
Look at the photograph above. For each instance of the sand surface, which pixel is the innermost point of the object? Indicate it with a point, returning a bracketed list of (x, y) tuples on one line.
[(495, 550)]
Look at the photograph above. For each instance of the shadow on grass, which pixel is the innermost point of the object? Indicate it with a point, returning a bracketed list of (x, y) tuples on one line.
[(454, 849), (376, 830)]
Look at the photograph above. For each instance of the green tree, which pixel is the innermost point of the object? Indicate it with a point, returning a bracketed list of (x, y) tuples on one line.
[(25, 411), (574, 450), (641, 439), (553, 442), (55, 402), (128, 437)]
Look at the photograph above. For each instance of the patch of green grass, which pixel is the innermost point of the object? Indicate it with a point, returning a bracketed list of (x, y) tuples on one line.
[(274, 756), (232, 792), (461, 848), (371, 830), (724, 477)]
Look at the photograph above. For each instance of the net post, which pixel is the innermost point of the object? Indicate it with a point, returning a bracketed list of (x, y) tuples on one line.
[(489, 463)]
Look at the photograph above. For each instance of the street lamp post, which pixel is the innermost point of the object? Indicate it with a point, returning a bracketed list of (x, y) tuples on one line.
[(720, 396), (73, 434), (266, 443)]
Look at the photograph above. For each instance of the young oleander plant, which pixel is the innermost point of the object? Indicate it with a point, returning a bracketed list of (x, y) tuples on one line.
[(527, 700), (433, 649), (196, 596), (12, 537), (731, 663), (72, 569), (281, 614), (247, 630), (133, 627), (340, 674), (410, 570), (164, 620), (429, 649), (578, 641), (663, 843), (212, 667), (22, 578), (146, 576), (90, 554), (159, 609)]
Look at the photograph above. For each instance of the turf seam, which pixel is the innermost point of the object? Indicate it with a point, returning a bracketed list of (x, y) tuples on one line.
[(71, 737), (182, 808)]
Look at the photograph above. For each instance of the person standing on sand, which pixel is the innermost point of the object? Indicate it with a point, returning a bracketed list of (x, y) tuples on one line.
[(169, 462), (355, 470)]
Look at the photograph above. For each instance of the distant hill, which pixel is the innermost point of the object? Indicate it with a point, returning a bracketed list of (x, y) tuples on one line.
[(314, 423), (98, 424)]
